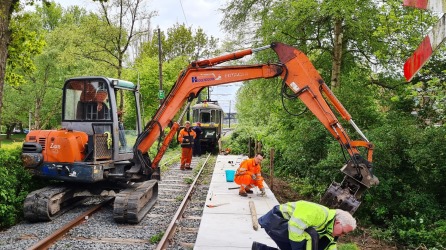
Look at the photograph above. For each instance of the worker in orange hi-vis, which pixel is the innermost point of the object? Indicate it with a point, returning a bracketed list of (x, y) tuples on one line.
[(186, 138), (249, 176)]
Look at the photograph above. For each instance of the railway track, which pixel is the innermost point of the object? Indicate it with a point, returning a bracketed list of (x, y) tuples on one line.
[(177, 201)]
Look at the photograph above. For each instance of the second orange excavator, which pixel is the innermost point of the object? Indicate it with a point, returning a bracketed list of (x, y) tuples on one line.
[(93, 154)]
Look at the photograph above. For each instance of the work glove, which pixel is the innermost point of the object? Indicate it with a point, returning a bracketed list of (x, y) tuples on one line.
[(254, 177)]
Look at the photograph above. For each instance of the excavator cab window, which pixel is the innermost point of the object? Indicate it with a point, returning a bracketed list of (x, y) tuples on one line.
[(127, 120), (87, 100)]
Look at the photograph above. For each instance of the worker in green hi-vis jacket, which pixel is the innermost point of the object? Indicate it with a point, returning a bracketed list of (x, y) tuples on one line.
[(304, 225)]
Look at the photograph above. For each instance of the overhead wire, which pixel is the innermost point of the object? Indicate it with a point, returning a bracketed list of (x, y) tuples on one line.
[(184, 14)]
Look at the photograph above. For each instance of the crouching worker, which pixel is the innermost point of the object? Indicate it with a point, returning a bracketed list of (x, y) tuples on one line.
[(249, 176), (304, 225)]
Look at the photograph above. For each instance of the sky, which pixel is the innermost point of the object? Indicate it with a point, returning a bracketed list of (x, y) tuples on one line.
[(203, 14), (195, 13)]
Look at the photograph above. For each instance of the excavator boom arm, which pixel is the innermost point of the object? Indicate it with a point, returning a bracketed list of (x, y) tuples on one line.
[(303, 79)]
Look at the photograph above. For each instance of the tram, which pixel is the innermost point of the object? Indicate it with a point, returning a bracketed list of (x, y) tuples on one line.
[(210, 115)]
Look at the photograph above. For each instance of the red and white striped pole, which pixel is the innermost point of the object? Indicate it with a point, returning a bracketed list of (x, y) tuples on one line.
[(434, 5), (431, 42)]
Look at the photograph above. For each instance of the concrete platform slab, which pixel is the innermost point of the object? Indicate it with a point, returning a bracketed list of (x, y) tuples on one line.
[(229, 224)]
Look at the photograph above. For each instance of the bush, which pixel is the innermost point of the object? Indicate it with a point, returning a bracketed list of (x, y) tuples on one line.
[(15, 184), (409, 202), (416, 232)]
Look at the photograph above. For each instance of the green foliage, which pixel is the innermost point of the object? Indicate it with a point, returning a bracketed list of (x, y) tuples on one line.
[(156, 238), (26, 42), (408, 158), (349, 246), (14, 142), (188, 180), (415, 232), (146, 70), (181, 41), (15, 183), (410, 165)]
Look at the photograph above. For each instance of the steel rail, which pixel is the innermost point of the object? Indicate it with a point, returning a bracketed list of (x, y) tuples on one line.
[(51, 239), (170, 231)]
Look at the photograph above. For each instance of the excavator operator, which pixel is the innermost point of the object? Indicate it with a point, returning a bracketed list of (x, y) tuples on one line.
[(248, 176)]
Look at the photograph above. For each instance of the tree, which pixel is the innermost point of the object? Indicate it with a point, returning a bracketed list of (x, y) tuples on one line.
[(6, 9), (120, 23), (337, 34), (182, 41), (24, 43), (57, 60)]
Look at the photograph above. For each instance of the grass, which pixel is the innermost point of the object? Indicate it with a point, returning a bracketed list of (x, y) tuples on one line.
[(15, 141), (188, 180), (171, 156), (348, 246), (156, 238)]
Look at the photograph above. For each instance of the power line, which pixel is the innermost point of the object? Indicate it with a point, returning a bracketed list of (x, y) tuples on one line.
[(184, 14)]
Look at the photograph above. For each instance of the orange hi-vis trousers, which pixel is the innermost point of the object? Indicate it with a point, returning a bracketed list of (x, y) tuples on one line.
[(246, 182), (186, 157)]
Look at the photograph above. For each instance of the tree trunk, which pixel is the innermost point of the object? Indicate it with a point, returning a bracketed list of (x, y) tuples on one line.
[(10, 130), (38, 108), (337, 55), (6, 8)]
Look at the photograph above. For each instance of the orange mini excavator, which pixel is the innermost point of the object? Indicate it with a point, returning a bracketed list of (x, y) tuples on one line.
[(102, 151)]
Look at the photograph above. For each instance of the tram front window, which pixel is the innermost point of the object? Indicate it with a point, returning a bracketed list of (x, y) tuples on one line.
[(205, 118)]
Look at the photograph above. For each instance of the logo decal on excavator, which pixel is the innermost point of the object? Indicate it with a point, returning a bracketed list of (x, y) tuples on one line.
[(235, 75), (205, 78), (294, 86), (55, 148)]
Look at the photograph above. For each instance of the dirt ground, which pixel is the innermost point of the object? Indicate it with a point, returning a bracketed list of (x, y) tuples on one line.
[(364, 241)]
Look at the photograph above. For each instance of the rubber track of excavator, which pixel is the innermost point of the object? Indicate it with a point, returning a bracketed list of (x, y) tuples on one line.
[(132, 204), (37, 203)]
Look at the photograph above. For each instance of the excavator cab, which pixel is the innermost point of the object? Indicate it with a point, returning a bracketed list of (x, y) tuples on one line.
[(97, 136), (91, 105), (94, 147)]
